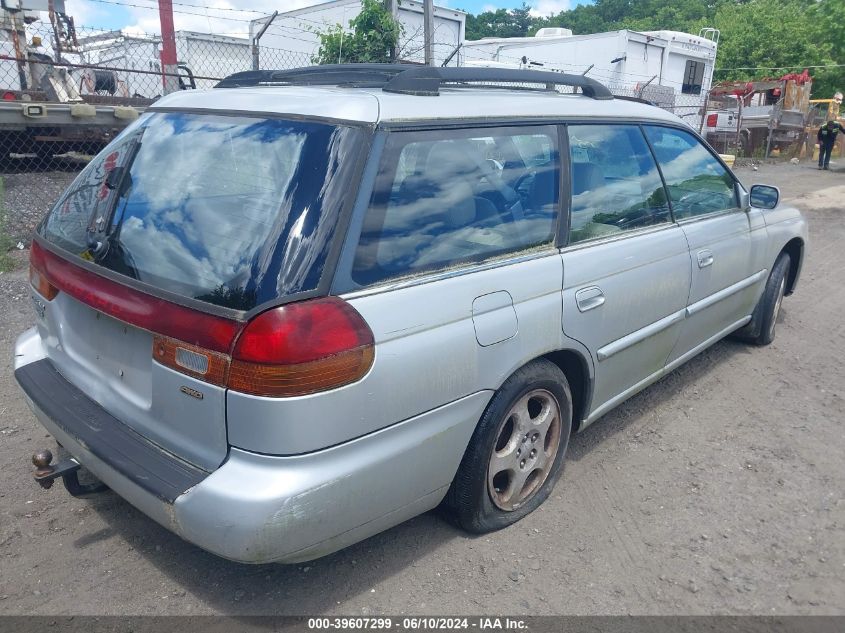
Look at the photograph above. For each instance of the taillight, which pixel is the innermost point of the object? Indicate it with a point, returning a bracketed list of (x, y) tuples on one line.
[(37, 276), (9, 96), (135, 307), (712, 120), (302, 348), (41, 285), (292, 350)]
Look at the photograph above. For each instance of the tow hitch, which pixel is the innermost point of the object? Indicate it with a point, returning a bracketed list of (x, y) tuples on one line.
[(46, 473)]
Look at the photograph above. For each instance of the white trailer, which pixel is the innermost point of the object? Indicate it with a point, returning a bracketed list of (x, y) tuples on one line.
[(296, 31), (675, 70), (203, 59)]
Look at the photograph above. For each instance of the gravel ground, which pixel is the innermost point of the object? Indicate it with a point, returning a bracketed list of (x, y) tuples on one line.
[(29, 197), (717, 490)]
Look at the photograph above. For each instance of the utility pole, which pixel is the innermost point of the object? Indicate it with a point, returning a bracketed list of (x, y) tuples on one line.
[(393, 7), (428, 30), (168, 47)]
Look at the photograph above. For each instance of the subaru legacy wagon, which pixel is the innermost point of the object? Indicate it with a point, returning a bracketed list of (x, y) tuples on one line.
[(285, 314)]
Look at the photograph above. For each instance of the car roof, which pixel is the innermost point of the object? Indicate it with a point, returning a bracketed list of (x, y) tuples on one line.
[(375, 106)]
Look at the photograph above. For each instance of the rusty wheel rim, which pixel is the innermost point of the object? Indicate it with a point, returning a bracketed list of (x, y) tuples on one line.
[(527, 442)]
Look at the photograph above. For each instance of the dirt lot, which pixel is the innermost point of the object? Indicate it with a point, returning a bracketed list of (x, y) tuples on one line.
[(717, 490)]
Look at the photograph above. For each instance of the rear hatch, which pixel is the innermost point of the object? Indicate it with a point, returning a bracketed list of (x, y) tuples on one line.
[(177, 232)]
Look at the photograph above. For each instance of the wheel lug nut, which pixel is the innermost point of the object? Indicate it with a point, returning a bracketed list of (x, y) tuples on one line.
[(518, 452), (533, 453), (522, 464)]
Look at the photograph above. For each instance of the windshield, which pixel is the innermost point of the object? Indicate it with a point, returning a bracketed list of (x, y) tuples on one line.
[(234, 211)]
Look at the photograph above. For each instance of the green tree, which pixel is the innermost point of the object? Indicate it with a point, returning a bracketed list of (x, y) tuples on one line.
[(373, 37), (637, 15), (501, 23), (756, 35), (828, 18), (762, 38)]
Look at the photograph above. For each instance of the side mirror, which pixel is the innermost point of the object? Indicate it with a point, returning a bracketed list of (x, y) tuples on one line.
[(764, 196)]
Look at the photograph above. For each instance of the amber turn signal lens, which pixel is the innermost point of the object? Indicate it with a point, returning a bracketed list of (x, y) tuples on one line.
[(41, 285), (281, 381), (191, 360)]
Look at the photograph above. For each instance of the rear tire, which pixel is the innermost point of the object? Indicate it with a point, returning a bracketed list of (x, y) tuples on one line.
[(516, 453), (761, 329)]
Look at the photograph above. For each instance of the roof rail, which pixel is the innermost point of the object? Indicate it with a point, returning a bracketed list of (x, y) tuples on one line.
[(411, 79)]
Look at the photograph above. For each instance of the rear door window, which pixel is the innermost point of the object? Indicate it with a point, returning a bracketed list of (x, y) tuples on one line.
[(445, 198), (697, 183), (615, 183)]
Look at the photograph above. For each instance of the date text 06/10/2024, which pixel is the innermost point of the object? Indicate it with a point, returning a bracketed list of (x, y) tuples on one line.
[(417, 624)]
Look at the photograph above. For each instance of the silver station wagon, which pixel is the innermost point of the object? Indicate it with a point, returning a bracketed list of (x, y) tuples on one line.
[(285, 314)]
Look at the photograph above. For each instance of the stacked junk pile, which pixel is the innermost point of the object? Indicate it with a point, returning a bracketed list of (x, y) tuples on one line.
[(767, 117)]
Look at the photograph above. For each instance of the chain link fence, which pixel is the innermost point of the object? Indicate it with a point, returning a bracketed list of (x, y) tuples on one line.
[(66, 92)]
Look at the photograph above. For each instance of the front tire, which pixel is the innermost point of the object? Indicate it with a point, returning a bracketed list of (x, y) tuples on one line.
[(516, 453), (761, 329)]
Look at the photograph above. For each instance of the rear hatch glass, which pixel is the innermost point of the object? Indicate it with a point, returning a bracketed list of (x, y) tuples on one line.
[(233, 211)]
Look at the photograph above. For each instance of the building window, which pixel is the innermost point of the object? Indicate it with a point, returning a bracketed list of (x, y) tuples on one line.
[(693, 76)]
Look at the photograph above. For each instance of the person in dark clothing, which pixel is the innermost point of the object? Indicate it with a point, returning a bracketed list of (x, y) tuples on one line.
[(826, 138)]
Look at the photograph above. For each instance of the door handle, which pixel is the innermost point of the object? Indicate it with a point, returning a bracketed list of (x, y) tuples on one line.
[(589, 298), (705, 258)]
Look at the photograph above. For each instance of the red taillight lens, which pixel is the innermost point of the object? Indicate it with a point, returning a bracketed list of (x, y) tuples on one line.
[(302, 348), (712, 120), (302, 332), (135, 307), (9, 96), (292, 350)]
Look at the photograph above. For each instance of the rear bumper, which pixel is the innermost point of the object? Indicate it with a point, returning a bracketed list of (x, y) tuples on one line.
[(259, 508), (152, 469)]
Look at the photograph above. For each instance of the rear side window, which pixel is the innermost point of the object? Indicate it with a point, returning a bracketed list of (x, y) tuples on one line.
[(233, 211), (449, 197), (615, 183), (697, 183)]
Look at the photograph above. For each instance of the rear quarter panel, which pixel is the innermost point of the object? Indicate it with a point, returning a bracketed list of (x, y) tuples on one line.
[(427, 355)]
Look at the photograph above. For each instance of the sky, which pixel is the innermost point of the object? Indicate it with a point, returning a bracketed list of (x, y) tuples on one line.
[(232, 17)]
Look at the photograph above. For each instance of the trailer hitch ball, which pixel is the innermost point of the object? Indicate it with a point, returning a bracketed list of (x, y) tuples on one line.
[(42, 460), (46, 472)]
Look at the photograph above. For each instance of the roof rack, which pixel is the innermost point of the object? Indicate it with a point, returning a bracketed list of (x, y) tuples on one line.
[(411, 79)]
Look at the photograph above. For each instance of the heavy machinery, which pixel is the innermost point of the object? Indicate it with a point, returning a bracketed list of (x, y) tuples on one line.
[(43, 111)]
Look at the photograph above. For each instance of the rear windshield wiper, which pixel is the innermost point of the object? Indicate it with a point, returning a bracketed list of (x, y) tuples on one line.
[(118, 182)]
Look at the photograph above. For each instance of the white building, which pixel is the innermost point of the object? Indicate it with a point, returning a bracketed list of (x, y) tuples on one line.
[(670, 68), (296, 31)]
